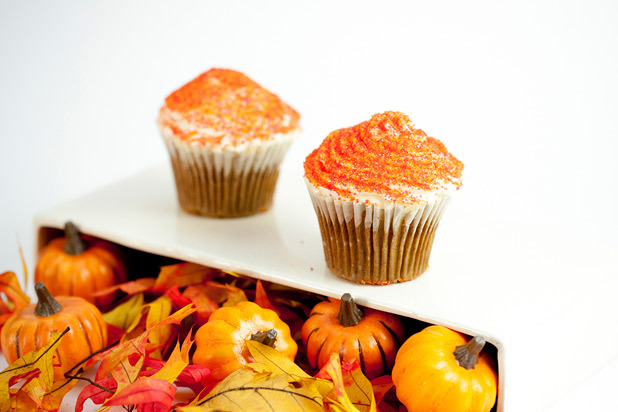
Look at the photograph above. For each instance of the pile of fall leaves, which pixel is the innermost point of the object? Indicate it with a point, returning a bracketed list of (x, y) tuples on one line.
[(146, 365)]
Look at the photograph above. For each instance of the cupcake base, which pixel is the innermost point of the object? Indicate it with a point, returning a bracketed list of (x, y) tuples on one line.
[(226, 183), (366, 243)]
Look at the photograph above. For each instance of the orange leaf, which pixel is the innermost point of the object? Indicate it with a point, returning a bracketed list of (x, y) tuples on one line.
[(227, 295), (157, 393), (261, 298), (130, 288), (204, 304), (99, 393), (17, 299), (183, 274)]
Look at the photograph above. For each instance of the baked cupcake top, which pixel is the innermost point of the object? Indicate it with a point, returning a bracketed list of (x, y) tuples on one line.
[(384, 156), (225, 107)]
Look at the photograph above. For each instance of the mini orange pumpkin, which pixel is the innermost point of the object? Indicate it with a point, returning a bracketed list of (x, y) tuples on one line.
[(30, 329), (220, 343), (437, 371), (73, 267), (340, 327)]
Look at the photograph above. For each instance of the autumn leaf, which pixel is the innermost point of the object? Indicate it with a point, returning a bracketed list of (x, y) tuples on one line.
[(123, 315), (24, 266), (122, 368), (130, 288), (192, 376), (261, 298), (272, 382), (183, 274), (156, 393), (115, 356), (205, 304), (17, 299), (353, 391), (154, 312), (381, 386), (274, 360), (223, 294), (176, 363), (37, 385), (98, 393), (53, 399), (255, 389)]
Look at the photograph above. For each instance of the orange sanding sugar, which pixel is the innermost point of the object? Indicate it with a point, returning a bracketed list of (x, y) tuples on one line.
[(382, 155), (225, 104)]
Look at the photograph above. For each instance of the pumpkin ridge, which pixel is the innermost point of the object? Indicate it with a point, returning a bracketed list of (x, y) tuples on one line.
[(382, 353), (17, 335), (80, 323), (315, 314), (360, 355), (317, 354), (311, 333), (100, 332), (392, 333)]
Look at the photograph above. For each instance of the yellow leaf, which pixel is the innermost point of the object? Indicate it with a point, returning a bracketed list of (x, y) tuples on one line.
[(353, 391), (273, 359), (155, 312), (176, 362), (278, 363), (53, 399), (123, 315), (114, 357), (41, 360), (242, 391), (273, 382)]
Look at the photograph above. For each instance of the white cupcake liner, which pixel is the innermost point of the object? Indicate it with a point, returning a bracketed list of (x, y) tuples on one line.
[(226, 181), (378, 244)]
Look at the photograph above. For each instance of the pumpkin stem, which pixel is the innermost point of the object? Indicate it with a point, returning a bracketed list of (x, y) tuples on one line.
[(46, 305), (74, 244), (266, 337), (467, 355), (349, 312)]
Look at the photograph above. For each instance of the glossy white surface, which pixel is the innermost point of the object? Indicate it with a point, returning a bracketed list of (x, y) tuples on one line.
[(510, 283)]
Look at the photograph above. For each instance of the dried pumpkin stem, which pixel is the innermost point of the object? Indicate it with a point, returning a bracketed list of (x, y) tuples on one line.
[(46, 305), (467, 355), (266, 337), (74, 244), (349, 312)]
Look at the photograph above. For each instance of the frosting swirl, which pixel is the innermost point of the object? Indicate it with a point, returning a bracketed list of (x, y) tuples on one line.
[(386, 156), (225, 107)]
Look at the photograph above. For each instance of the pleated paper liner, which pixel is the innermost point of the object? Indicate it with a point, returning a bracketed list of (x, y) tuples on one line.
[(366, 243), (226, 183)]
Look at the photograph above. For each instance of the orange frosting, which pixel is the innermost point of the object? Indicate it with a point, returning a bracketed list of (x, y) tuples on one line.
[(383, 156), (225, 105)]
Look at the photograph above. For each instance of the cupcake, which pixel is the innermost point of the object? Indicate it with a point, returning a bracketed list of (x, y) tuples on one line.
[(379, 190), (226, 136)]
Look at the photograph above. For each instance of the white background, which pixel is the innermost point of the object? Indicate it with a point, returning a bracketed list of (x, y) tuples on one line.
[(524, 93)]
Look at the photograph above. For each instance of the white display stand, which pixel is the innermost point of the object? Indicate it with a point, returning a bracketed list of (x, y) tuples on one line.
[(544, 299)]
